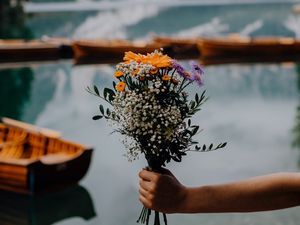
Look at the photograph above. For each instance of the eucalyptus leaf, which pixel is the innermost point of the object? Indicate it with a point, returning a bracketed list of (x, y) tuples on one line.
[(189, 122), (197, 98), (101, 108), (96, 90), (97, 117)]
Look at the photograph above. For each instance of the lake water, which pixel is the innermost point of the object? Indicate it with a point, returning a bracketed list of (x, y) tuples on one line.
[(254, 107)]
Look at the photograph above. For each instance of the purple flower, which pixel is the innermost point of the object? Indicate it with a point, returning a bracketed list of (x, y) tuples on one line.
[(196, 67), (180, 70), (197, 78), (197, 73)]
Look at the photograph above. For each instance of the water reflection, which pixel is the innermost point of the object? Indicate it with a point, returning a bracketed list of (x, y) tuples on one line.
[(296, 129), (15, 83), (12, 21), (15, 88), (47, 209)]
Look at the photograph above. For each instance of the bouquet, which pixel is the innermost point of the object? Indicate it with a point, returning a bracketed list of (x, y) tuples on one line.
[(151, 109)]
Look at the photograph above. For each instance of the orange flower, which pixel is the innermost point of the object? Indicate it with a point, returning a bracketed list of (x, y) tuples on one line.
[(120, 86), (118, 73), (154, 71), (166, 77), (130, 56), (158, 60), (135, 72)]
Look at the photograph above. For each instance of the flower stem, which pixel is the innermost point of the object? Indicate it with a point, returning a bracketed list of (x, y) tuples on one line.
[(156, 218)]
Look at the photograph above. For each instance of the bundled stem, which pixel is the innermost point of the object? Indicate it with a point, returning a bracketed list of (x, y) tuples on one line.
[(154, 165)]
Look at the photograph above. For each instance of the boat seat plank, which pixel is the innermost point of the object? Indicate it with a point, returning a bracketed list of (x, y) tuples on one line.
[(57, 158)]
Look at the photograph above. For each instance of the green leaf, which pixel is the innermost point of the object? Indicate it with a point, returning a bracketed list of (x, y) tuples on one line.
[(192, 104), (197, 98), (111, 94), (96, 90), (97, 117), (202, 96), (105, 93), (108, 112), (176, 159), (101, 109), (223, 145), (195, 130)]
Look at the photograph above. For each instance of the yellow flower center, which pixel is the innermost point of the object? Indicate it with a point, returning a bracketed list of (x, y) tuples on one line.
[(166, 77)]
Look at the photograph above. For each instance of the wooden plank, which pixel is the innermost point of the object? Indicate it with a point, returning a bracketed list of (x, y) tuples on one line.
[(6, 168), (31, 128)]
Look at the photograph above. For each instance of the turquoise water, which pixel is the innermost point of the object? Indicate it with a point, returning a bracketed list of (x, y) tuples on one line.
[(252, 106)]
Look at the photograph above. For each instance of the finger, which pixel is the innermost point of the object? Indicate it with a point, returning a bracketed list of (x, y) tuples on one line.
[(148, 186), (143, 192), (147, 175), (145, 201)]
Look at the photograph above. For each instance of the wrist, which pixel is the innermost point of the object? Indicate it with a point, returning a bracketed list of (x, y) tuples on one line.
[(184, 205), (196, 200)]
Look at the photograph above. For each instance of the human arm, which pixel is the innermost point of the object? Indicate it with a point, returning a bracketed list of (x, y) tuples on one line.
[(163, 192)]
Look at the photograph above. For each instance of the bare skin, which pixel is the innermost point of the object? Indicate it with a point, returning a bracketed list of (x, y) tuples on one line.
[(164, 193)]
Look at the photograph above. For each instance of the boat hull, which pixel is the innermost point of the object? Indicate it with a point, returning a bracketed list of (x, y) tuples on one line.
[(217, 51), (24, 51), (104, 51), (38, 177)]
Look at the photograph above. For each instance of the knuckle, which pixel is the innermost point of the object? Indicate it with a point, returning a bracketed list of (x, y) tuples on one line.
[(153, 188), (151, 198), (141, 173)]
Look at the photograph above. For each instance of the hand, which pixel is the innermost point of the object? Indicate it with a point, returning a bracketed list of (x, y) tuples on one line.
[(161, 192)]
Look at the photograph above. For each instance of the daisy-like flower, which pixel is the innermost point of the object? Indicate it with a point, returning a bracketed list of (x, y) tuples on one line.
[(166, 77), (118, 73), (130, 56), (120, 86), (154, 70), (157, 59)]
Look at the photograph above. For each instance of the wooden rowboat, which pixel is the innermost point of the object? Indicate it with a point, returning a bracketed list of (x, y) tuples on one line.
[(179, 48), (108, 51), (37, 160), (228, 50), (35, 50)]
